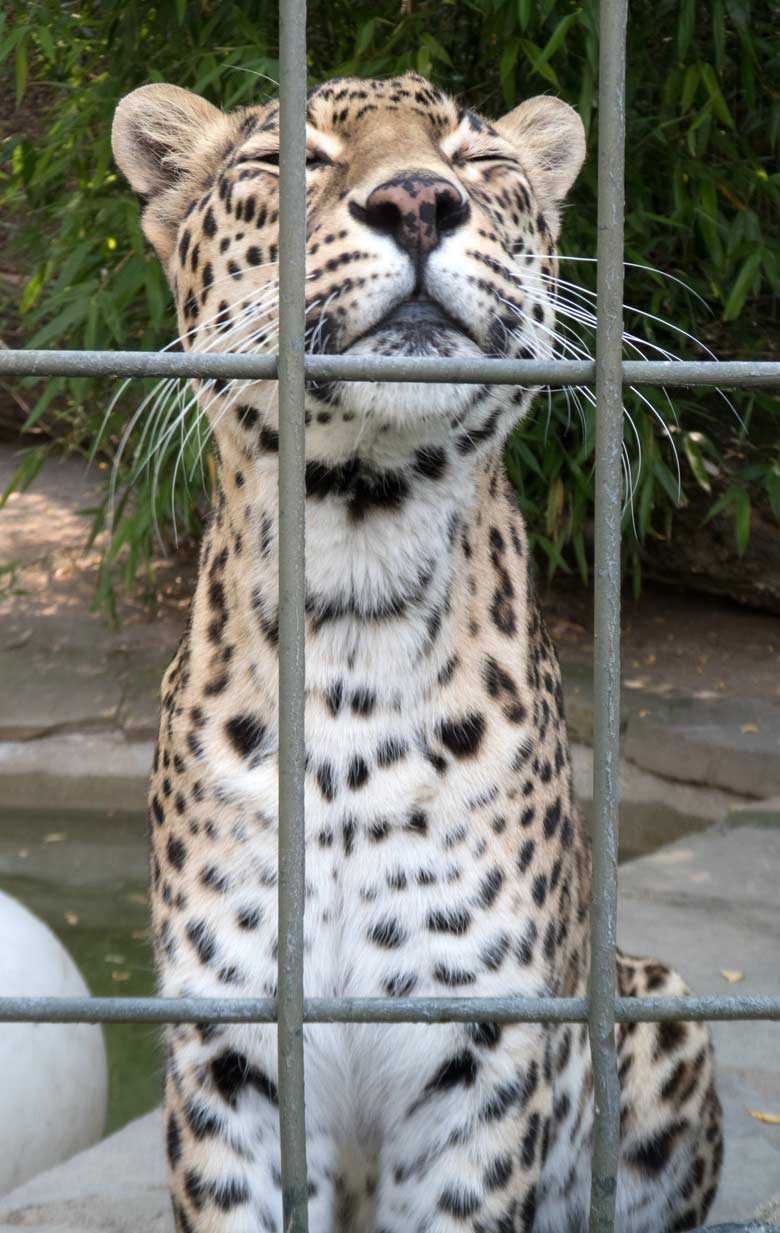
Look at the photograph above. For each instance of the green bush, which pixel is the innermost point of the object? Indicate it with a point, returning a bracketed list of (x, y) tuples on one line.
[(703, 190)]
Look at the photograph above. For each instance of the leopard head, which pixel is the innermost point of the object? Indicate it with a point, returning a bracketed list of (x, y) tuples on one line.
[(430, 232)]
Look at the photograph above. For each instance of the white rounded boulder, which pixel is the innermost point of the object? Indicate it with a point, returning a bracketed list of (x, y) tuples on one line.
[(53, 1077)]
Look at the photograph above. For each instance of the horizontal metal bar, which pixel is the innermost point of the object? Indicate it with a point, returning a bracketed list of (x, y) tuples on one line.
[(721, 1007), (473, 371)]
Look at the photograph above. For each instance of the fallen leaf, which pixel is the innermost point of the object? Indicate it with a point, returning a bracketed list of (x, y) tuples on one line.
[(139, 899), (745, 728), (732, 975), (650, 659), (139, 935), (113, 958), (644, 712), (23, 853), (72, 918), (771, 1119), (120, 977), (55, 837)]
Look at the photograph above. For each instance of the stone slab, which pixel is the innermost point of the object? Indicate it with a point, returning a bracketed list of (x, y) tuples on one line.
[(75, 674), (139, 712), (99, 770), (722, 743), (55, 676)]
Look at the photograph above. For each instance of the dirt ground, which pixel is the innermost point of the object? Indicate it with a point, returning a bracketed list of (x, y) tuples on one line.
[(672, 640)]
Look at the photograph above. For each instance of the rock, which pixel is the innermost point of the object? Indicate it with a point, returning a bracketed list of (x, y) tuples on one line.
[(723, 743), (117, 1187), (702, 553), (653, 810), (53, 1077)]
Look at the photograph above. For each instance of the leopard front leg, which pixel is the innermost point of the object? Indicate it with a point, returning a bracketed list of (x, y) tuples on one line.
[(222, 1134), (464, 1142)]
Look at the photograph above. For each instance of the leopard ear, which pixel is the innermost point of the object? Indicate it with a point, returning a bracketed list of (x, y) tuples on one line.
[(163, 137), (155, 133), (549, 136)]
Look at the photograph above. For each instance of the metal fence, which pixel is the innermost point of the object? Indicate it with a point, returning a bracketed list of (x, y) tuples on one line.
[(601, 1010)]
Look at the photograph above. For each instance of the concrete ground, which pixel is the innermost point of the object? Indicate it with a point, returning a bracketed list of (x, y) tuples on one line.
[(708, 904)]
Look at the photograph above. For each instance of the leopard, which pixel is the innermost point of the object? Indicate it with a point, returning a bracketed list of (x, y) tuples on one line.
[(445, 854)]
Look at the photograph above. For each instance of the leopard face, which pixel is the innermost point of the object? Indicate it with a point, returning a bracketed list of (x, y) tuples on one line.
[(430, 232)]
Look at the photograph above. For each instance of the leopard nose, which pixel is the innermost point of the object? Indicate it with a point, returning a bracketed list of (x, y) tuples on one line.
[(415, 210)]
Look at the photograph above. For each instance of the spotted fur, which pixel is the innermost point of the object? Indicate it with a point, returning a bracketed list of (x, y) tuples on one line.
[(444, 850)]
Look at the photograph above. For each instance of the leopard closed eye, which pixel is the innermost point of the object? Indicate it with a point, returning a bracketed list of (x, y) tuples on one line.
[(444, 850)]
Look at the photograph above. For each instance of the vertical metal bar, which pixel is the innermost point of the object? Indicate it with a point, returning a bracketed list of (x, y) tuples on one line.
[(606, 666), (292, 261)]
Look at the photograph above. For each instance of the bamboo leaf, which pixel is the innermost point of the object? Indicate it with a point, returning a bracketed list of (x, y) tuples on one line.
[(741, 286), (718, 101), (365, 36), (690, 86), (556, 38), (772, 486), (508, 59), (21, 70), (43, 35), (532, 54), (436, 49), (696, 462), (719, 35), (32, 461), (51, 391), (72, 315), (685, 23), (741, 520)]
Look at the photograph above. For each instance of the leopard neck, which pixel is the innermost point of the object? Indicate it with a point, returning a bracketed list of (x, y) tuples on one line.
[(397, 571)]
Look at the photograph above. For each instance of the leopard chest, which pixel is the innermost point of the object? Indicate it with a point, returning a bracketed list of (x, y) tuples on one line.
[(420, 878)]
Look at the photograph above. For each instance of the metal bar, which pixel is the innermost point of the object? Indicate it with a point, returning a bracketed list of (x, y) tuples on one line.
[(292, 386), (606, 649), (724, 374), (713, 1008)]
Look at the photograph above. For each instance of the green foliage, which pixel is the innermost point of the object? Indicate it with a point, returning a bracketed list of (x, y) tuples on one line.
[(703, 116)]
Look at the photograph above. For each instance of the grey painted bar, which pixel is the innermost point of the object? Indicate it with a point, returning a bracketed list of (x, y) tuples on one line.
[(292, 384), (713, 1007), (725, 374), (606, 647)]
